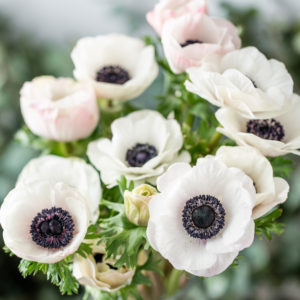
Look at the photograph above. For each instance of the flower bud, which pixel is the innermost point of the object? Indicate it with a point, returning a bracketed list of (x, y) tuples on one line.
[(136, 204), (97, 272)]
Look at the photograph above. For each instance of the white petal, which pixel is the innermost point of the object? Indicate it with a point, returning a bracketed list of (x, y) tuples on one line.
[(281, 195), (72, 171), (168, 179)]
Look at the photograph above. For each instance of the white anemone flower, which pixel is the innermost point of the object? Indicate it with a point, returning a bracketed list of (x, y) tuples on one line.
[(118, 66), (44, 222), (272, 137), (244, 80), (72, 171), (203, 216), (270, 191), (59, 109), (99, 272), (143, 145)]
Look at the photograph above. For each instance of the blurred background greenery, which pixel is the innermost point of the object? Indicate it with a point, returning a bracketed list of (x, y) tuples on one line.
[(267, 270)]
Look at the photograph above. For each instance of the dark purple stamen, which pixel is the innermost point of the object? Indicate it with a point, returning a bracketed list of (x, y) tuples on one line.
[(98, 257), (113, 74), (203, 217), (268, 129), (140, 154), (52, 228), (190, 42), (111, 266)]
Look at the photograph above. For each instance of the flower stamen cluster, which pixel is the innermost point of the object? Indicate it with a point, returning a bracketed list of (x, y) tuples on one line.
[(203, 217), (52, 228)]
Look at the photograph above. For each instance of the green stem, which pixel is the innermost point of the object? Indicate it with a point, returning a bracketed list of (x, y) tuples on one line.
[(190, 120), (173, 282), (214, 141), (63, 149)]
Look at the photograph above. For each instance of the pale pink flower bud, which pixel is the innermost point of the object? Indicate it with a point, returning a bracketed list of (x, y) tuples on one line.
[(169, 9)]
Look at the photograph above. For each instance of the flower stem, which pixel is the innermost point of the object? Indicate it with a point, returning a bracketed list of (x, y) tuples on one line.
[(190, 120), (63, 149), (173, 282), (214, 141)]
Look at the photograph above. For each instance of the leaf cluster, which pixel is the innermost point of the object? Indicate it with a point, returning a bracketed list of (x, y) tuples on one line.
[(123, 239), (267, 225), (60, 274), (76, 148)]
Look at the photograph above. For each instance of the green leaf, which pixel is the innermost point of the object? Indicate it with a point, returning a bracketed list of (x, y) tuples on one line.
[(60, 274), (282, 167), (8, 251), (122, 238), (124, 185), (267, 225)]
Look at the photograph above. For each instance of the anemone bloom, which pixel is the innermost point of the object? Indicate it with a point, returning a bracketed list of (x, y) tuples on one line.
[(188, 40), (244, 80), (59, 108), (143, 145), (99, 272), (44, 222), (119, 67), (272, 137), (203, 216)]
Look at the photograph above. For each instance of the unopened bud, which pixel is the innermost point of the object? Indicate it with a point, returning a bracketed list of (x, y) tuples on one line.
[(136, 204)]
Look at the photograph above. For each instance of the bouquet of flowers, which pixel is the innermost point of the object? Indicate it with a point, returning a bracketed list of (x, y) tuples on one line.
[(130, 203)]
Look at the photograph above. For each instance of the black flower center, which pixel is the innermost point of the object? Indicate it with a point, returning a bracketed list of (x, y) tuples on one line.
[(52, 228), (268, 129), (203, 217), (140, 154), (190, 42), (113, 74)]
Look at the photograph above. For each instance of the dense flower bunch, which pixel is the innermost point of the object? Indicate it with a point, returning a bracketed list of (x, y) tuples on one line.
[(121, 198)]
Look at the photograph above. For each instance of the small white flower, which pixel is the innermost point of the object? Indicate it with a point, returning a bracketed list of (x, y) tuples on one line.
[(270, 191), (272, 137), (202, 218), (244, 80), (59, 108), (189, 39), (97, 271), (118, 66), (72, 171), (44, 222), (143, 145)]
